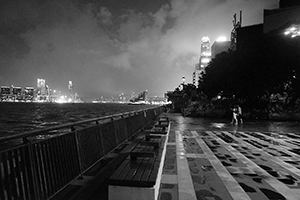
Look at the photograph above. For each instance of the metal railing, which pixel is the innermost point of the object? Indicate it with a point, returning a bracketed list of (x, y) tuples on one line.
[(38, 167)]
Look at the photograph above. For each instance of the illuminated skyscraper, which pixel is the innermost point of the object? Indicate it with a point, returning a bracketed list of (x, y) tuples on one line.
[(41, 86), (71, 91), (42, 91), (205, 57)]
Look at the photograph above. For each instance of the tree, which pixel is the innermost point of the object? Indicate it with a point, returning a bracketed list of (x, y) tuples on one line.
[(267, 66)]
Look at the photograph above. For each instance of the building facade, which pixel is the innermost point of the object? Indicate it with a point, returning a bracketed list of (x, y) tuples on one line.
[(205, 57), (284, 16), (219, 47)]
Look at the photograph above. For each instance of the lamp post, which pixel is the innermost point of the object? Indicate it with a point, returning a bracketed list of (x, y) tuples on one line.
[(183, 80), (183, 83)]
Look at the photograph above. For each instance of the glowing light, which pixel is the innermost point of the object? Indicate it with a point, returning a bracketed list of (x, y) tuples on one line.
[(205, 39), (61, 99), (206, 53), (221, 39), (294, 31), (205, 60)]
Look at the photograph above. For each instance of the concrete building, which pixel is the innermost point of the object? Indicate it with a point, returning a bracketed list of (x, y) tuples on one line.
[(286, 15), (5, 93), (28, 93), (288, 3), (219, 47), (16, 93)]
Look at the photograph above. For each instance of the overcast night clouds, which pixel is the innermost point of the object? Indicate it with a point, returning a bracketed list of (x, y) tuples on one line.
[(111, 46)]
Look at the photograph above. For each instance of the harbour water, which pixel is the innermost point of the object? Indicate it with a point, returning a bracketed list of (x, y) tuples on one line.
[(22, 117)]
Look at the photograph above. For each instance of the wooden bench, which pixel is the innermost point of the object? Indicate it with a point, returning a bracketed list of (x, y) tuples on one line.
[(163, 119), (139, 175), (161, 127)]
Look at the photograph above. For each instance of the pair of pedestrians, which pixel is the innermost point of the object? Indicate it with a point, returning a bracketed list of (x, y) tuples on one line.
[(237, 115)]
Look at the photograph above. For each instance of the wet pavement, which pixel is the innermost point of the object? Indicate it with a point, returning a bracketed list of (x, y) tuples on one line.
[(212, 159)]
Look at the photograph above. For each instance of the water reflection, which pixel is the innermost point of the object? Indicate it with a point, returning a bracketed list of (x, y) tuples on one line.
[(218, 125), (182, 124)]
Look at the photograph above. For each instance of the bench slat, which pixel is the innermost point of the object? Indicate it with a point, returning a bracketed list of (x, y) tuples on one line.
[(142, 154), (141, 165), (120, 169), (149, 137), (134, 167), (140, 168), (126, 169), (150, 143), (154, 172), (147, 173), (146, 166)]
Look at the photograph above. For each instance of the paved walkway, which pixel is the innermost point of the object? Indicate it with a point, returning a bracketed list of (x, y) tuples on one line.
[(215, 163)]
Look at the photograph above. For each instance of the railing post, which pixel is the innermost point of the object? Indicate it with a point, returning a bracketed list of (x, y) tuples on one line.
[(78, 152), (33, 170), (25, 140)]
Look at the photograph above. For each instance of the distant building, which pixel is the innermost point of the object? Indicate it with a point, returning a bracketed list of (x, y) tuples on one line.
[(5, 90), (42, 91), (141, 97), (28, 93), (288, 3), (41, 87), (71, 92), (16, 93), (205, 52), (5, 93), (205, 58), (219, 47), (196, 74)]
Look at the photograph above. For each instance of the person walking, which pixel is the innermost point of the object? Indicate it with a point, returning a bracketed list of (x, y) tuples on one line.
[(234, 115), (239, 114)]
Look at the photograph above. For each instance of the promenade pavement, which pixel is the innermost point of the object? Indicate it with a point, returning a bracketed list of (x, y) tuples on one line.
[(208, 160), (214, 160)]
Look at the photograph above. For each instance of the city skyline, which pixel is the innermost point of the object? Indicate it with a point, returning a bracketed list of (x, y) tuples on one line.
[(112, 47), (43, 88)]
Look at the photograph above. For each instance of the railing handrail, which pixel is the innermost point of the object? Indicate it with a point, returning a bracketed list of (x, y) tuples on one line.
[(67, 125)]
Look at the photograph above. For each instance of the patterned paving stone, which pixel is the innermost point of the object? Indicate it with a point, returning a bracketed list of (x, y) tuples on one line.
[(170, 166), (233, 165), (168, 192)]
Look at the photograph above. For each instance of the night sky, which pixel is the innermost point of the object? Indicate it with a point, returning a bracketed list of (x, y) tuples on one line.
[(108, 47)]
